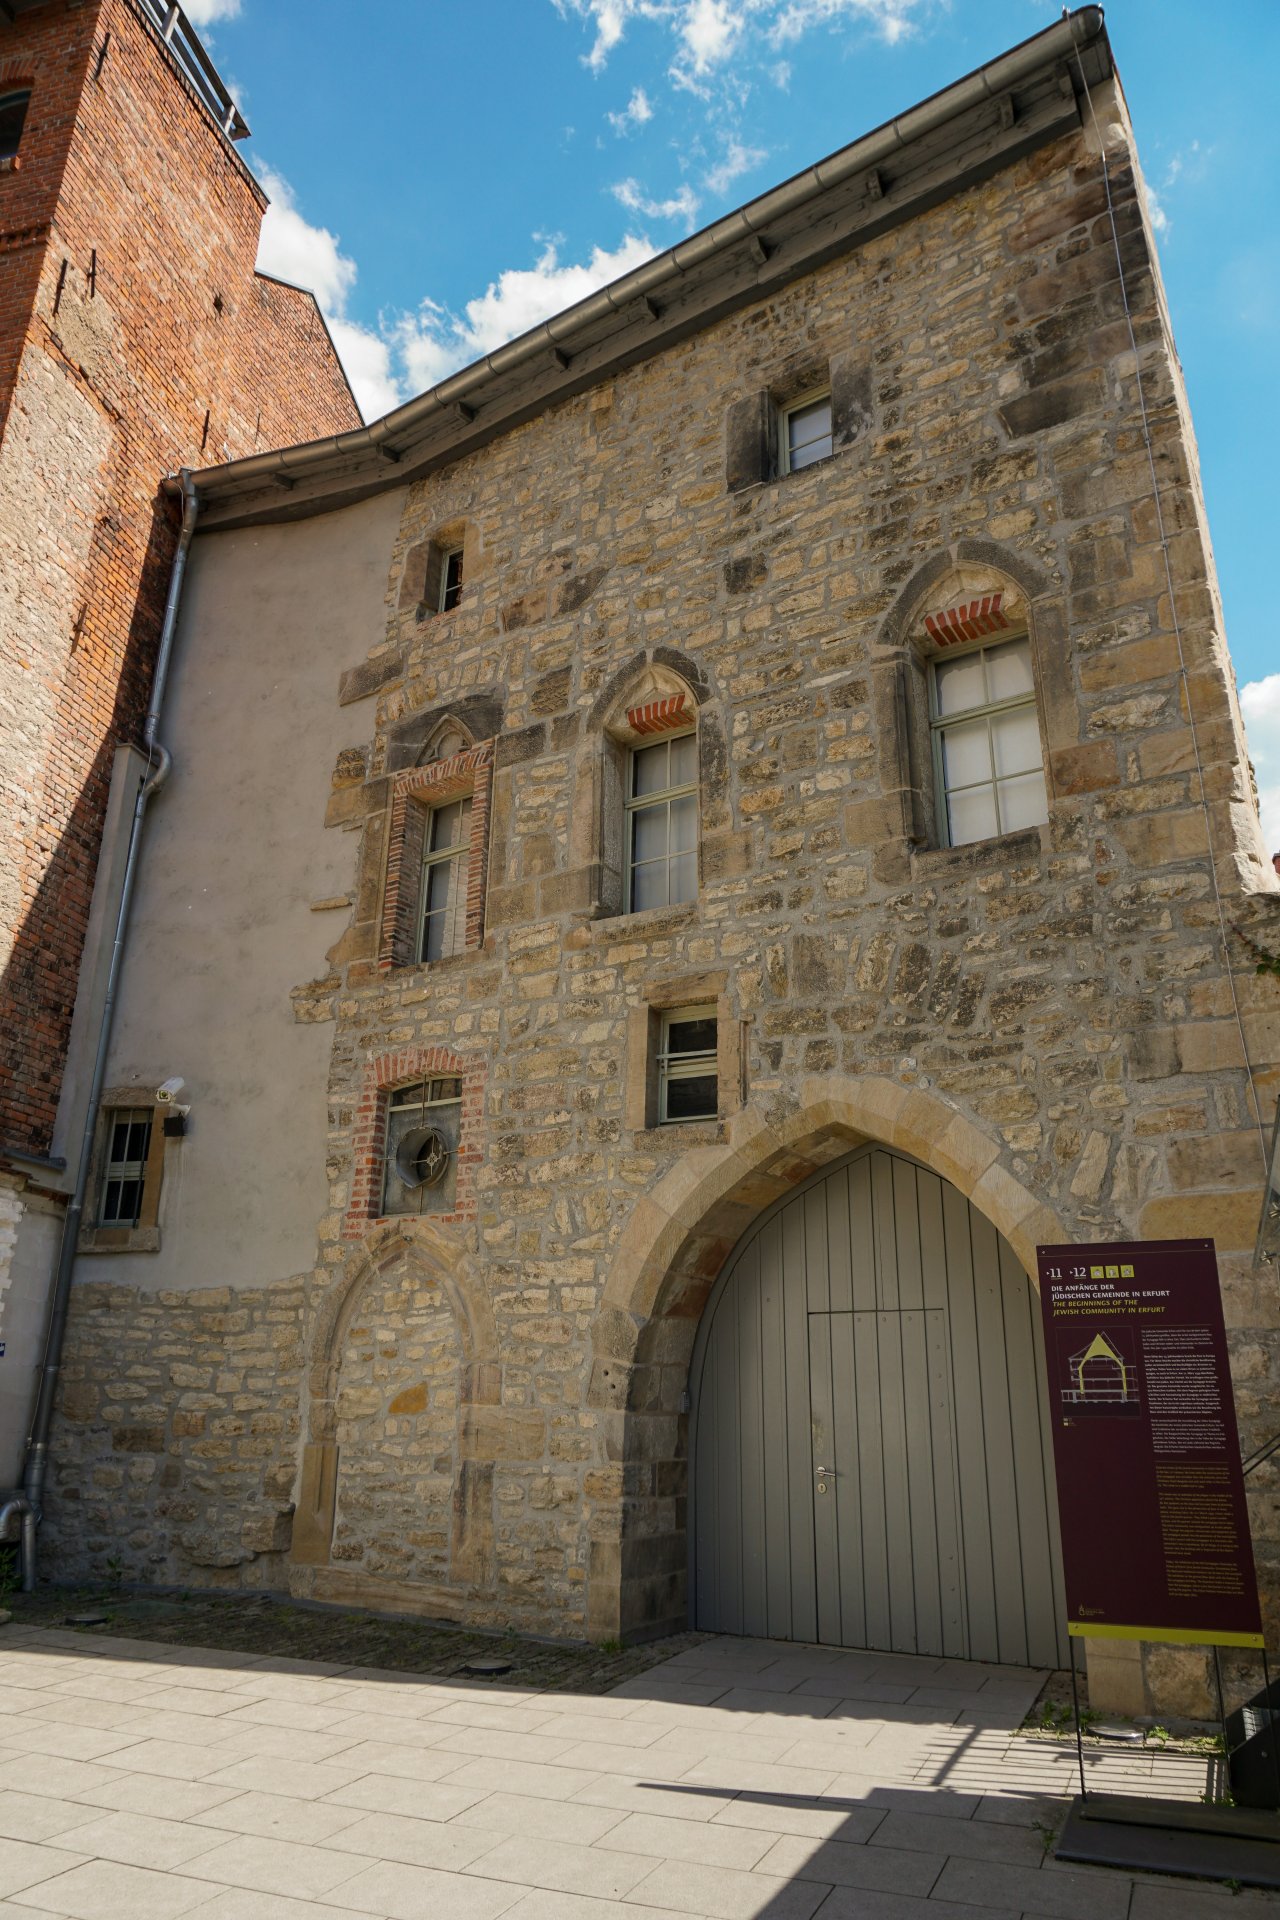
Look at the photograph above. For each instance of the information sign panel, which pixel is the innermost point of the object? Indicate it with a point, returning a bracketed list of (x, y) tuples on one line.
[(1155, 1530)]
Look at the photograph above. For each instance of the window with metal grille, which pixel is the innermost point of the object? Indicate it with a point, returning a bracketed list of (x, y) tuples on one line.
[(424, 1122), (450, 579), (445, 868), (988, 764), (688, 1082), (125, 1168), (13, 114), (804, 433), (662, 823)]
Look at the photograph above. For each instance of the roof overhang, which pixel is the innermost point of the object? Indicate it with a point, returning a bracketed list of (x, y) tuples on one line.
[(951, 141)]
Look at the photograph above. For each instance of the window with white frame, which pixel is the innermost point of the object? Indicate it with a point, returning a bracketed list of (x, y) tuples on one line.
[(988, 764), (420, 1169), (688, 1081), (125, 1166), (450, 579), (662, 823), (446, 859), (804, 433)]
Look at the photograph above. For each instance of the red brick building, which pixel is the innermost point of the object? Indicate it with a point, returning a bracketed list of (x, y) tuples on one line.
[(135, 337)]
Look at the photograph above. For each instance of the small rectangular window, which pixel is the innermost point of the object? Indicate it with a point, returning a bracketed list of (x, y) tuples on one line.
[(986, 741), (445, 873), (804, 433), (423, 1127), (450, 579), (13, 113), (662, 823), (688, 1080), (125, 1168)]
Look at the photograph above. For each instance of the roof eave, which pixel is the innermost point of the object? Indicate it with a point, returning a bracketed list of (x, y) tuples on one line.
[(958, 136)]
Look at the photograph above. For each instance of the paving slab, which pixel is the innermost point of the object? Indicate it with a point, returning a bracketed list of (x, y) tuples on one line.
[(739, 1781)]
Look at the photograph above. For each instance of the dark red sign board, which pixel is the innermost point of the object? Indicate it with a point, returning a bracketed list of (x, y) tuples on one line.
[(1155, 1531)]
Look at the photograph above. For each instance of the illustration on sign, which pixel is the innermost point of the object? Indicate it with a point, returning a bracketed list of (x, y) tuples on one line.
[(1155, 1530), (1100, 1380)]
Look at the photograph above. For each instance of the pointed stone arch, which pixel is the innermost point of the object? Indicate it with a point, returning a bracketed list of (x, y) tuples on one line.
[(676, 1243), (442, 1256)]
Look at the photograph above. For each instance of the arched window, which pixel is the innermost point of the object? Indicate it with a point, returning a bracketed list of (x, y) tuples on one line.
[(974, 721), (989, 776), (650, 805), (433, 904)]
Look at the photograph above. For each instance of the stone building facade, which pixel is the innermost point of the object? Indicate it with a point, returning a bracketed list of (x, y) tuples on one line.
[(486, 1406), (135, 336)]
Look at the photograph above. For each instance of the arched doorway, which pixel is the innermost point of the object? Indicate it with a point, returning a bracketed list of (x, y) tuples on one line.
[(870, 1461)]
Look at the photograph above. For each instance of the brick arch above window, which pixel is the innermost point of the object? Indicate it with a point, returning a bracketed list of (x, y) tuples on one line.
[(414, 793), (382, 1076)]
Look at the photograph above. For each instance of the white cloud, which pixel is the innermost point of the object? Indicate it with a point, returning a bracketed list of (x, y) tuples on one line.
[(203, 13), (737, 161), (1159, 218), (680, 206), (1260, 703), (710, 34), (637, 111), (434, 343), (408, 353), (708, 31), (292, 249), (312, 257), (368, 364)]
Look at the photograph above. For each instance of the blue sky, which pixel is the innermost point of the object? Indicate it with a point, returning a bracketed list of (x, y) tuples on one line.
[(446, 173)]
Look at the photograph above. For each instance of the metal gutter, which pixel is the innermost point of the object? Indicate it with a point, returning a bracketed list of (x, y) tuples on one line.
[(36, 1465), (389, 439)]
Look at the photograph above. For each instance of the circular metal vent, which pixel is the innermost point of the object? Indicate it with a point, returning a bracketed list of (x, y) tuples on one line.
[(422, 1157)]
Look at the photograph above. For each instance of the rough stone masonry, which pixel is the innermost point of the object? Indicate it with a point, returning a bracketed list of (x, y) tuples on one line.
[(482, 1412)]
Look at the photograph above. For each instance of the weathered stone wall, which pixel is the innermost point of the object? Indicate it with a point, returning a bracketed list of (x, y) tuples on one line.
[(1047, 1020)]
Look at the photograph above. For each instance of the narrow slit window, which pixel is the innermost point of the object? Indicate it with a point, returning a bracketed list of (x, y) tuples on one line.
[(125, 1171), (445, 869), (450, 579), (688, 1080), (986, 742), (662, 823), (805, 433), (424, 1123), (13, 114)]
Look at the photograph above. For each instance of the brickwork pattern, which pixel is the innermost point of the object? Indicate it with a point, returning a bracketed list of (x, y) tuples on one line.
[(1047, 1019), (414, 793), (135, 337), (369, 1130)]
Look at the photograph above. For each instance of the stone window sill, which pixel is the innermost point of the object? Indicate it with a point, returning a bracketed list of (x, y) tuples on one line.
[(677, 1136), (977, 856), (118, 1240), (653, 921)]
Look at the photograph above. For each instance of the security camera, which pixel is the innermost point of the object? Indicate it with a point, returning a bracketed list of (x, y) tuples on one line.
[(170, 1089)]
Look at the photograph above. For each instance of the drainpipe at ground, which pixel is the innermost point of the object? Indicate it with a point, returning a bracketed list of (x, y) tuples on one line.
[(36, 1467)]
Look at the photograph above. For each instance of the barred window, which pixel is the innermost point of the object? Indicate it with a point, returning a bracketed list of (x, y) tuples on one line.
[(125, 1167), (688, 1080)]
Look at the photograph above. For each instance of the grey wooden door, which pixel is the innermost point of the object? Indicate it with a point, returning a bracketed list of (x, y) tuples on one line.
[(870, 1453)]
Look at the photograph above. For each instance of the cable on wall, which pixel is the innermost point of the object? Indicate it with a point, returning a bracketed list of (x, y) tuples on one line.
[(1173, 614)]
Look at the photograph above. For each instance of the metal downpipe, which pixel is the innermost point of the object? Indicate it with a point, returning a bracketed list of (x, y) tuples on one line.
[(20, 1505), (36, 1467)]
